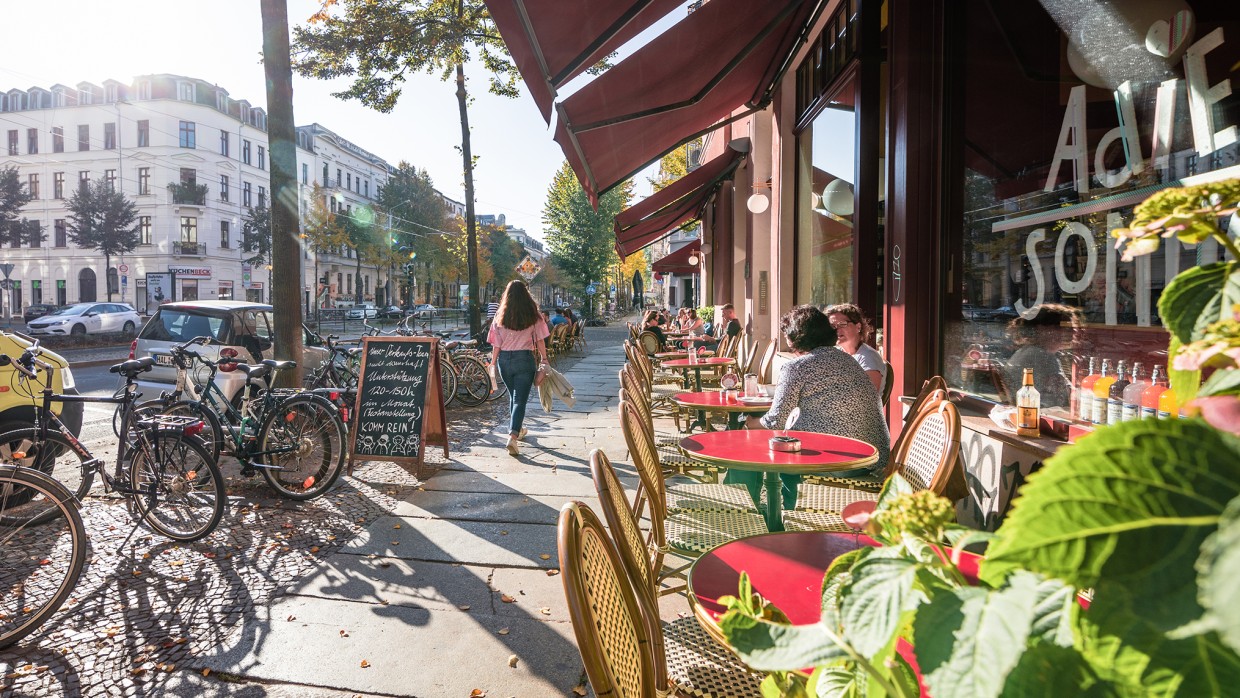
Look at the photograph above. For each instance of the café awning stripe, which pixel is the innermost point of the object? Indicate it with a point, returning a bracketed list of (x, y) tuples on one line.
[(678, 262)]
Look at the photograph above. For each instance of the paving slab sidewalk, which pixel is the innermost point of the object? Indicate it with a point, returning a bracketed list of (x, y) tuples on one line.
[(457, 588)]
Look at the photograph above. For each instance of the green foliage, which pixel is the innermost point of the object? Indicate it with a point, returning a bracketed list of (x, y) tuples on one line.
[(103, 219), (13, 196), (256, 235), (582, 240), (1218, 569), (706, 313), (188, 193)]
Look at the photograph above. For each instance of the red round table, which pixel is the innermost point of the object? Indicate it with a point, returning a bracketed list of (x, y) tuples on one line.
[(685, 364), (713, 401), (749, 449)]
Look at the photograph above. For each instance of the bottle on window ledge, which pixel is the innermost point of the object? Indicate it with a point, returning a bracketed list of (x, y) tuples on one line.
[(1028, 404), (1085, 392), (1102, 386), (1149, 397), (1131, 410), (1115, 394)]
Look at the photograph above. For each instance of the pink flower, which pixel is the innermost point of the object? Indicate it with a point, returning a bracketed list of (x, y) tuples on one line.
[(1221, 412)]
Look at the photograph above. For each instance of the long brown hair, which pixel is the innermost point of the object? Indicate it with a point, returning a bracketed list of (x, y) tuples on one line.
[(517, 309)]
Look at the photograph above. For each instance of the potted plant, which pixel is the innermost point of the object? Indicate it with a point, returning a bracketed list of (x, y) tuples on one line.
[(1144, 515)]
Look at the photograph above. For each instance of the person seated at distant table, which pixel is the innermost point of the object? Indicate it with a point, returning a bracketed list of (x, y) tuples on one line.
[(834, 393), (854, 331), (651, 325), (557, 319), (731, 326), (694, 324)]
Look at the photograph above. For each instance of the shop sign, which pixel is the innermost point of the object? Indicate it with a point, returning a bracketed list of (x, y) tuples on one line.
[(226, 283), (256, 284), (191, 272)]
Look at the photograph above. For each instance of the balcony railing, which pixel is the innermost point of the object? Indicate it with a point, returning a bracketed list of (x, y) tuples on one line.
[(190, 194), (189, 249)]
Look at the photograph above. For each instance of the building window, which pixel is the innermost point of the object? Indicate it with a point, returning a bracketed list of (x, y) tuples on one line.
[(225, 143), (109, 136), (337, 176), (58, 185), (305, 173), (189, 176), (348, 180), (225, 234), (32, 141), (144, 230), (13, 142), (221, 101), (110, 94), (332, 203), (223, 187), (144, 133), (58, 139), (109, 176), (324, 174), (144, 180), (262, 197), (245, 194), (84, 137), (144, 89), (348, 281), (60, 233), (188, 134), (32, 185), (185, 91), (368, 189), (245, 152), (189, 230), (83, 180), (262, 158)]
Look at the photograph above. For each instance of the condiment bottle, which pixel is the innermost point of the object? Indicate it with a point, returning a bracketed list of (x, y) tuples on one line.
[(1115, 394), (1131, 410), (1085, 392), (1098, 406), (1150, 396), (1028, 405), (1168, 405)]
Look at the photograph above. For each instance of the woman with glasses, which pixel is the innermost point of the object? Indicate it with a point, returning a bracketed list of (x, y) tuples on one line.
[(854, 331)]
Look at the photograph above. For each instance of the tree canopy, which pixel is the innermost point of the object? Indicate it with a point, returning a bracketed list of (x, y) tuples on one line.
[(102, 218), (256, 235), (582, 239), (15, 231)]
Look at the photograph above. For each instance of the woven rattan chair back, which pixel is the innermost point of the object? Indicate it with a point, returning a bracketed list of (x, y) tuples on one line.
[(614, 640), (889, 382), (927, 450), (642, 404), (744, 352), (650, 342), (932, 384), (632, 379), (633, 331), (645, 455), (768, 361), (637, 557)]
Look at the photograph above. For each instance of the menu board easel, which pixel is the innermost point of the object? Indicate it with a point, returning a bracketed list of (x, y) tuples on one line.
[(399, 407)]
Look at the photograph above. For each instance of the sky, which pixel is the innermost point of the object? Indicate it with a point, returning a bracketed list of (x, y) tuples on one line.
[(70, 41)]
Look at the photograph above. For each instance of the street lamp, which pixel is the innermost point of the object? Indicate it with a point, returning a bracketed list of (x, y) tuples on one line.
[(408, 266)]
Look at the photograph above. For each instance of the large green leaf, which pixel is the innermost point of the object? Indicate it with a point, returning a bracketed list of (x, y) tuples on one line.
[(1048, 671), (767, 646), (1189, 295), (880, 590), (967, 640), (1219, 570), (844, 681), (1131, 503), (1140, 661), (838, 575), (1221, 382), (1054, 613)]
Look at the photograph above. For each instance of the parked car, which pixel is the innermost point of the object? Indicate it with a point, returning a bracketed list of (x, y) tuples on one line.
[(365, 310), (243, 326), (424, 310), (36, 310), (88, 318), (16, 410), (392, 311)]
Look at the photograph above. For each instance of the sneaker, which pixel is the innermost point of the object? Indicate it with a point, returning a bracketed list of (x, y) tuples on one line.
[(521, 434), (512, 447)]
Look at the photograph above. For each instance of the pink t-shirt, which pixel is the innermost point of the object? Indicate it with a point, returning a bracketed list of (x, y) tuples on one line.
[(505, 339)]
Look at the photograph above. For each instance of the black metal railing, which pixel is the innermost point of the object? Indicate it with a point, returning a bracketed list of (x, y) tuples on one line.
[(192, 249)]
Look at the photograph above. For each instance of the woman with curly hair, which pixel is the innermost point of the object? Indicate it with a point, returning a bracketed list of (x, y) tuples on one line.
[(854, 330)]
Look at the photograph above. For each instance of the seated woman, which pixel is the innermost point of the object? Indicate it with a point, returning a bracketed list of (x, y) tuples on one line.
[(834, 394), (854, 331), (651, 324), (695, 324), (681, 322)]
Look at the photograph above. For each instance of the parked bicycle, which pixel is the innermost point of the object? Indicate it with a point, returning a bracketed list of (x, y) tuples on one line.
[(42, 550), (294, 437), (170, 480)]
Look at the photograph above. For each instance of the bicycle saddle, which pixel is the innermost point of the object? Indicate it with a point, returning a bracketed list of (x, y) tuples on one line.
[(254, 370), (354, 351), (133, 367), (278, 365), (466, 343)]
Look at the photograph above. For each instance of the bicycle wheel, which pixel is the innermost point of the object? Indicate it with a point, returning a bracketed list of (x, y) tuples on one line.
[(473, 384), (304, 437), (447, 376), (186, 498), (212, 434), (39, 562), (52, 456)]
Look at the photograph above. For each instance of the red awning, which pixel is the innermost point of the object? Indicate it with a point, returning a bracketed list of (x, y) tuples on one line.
[(553, 41), (678, 261), (661, 213), (725, 56)]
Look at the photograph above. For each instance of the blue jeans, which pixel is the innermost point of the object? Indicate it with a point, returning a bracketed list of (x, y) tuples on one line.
[(517, 369)]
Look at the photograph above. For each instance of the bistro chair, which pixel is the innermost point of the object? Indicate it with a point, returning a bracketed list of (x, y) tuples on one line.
[(626, 649), (767, 363), (633, 331), (889, 382), (671, 459), (659, 397), (925, 455), (700, 521), (579, 335), (650, 342)]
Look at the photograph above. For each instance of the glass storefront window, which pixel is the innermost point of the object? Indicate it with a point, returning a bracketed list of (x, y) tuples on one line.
[(826, 171), (1073, 114)]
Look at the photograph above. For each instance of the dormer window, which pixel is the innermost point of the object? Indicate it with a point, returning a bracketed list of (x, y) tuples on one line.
[(144, 89), (244, 113), (111, 94), (86, 97), (185, 91), (221, 101)]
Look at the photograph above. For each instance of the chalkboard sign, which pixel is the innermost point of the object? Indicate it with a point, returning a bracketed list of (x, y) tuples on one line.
[(399, 408)]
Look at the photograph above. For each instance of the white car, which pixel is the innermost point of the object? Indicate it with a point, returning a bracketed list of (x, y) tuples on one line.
[(365, 310), (88, 318)]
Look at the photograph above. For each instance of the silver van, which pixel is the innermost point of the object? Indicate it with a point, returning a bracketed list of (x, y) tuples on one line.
[(245, 327)]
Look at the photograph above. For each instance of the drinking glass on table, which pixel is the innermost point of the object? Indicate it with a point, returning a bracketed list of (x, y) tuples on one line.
[(751, 385)]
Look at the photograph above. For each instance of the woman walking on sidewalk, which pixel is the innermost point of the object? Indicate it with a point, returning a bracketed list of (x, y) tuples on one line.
[(517, 348)]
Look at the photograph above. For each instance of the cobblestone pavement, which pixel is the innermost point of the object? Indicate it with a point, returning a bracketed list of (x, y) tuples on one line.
[(145, 604)]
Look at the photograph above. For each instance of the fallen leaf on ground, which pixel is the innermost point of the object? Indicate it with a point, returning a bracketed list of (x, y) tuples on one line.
[(503, 533), (503, 631), (364, 664), (512, 660), (344, 633), (331, 538), (314, 549), (544, 556), (477, 693), (545, 611), (137, 671), (552, 573), (292, 618), (507, 599), (207, 672), (396, 526), (176, 563), (464, 607)]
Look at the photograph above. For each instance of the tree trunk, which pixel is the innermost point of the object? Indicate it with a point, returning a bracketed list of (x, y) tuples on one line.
[(471, 225), (286, 272), (107, 278)]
